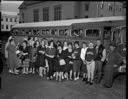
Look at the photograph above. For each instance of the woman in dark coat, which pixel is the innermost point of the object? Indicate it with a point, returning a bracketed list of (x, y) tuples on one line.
[(13, 61), (41, 57)]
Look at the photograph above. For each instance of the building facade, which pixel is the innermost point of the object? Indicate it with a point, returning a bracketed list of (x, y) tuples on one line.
[(37, 11), (8, 19)]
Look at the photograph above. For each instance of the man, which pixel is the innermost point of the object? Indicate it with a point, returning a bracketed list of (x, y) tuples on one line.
[(100, 58), (113, 62)]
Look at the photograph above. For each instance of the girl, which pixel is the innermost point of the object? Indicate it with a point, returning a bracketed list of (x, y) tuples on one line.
[(13, 61), (25, 57), (76, 60), (50, 54), (69, 61), (33, 57), (89, 57), (41, 57)]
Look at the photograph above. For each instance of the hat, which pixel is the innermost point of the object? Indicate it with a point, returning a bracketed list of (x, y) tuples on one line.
[(112, 44)]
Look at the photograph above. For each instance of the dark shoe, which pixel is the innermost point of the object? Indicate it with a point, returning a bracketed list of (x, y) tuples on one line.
[(91, 83), (106, 86), (87, 82), (84, 79)]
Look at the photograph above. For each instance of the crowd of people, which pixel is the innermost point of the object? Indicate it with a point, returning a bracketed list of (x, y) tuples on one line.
[(63, 60)]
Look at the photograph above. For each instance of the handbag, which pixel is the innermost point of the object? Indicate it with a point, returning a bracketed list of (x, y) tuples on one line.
[(62, 62)]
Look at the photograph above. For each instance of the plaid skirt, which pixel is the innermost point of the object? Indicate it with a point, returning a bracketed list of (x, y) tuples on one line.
[(26, 63)]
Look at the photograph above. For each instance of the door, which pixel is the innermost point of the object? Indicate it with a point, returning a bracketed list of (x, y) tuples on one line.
[(107, 36)]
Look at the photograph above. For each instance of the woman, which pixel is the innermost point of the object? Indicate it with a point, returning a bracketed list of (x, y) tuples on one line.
[(41, 58), (82, 56), (76, 60), (61, 62), (6, 52), (13, 61), (89, 57), (50, 54), (25, 57), (69, 61)]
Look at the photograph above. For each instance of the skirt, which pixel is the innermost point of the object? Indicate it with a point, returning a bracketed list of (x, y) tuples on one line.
[(84, 68), (76, 65), (26, 63)]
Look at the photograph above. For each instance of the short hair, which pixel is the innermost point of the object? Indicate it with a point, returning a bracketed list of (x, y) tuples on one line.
[(76, 42), (50, 42), (70, 43), (29, 38), (84, 43), (25, 42)]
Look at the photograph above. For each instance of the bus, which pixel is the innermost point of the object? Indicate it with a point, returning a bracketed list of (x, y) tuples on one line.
[(108, 29)]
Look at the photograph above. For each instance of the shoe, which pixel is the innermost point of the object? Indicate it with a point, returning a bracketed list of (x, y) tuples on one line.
[(47, 78), (106, 86), (91, 83), (75, 78), (87, 82), (84, 79), (41, 75), (51, 77)]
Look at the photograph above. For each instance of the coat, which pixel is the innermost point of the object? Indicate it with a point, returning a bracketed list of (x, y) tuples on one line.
[(13, 61)]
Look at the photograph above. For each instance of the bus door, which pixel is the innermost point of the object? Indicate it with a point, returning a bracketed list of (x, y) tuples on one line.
[(107, 36)]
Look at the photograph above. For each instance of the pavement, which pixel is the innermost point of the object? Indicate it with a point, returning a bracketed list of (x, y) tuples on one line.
[(34, 87)]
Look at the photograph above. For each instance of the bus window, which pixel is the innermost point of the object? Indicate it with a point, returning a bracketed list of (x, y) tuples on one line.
[(54, 32), (38, 32), (77, 33), (92, 33), (30, 32), (123, 34), (64, 32), (116, 36), (47, 32), (34, 32), (43, 32)]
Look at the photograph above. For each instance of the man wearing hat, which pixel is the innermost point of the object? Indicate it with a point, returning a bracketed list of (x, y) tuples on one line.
[(113, 62)]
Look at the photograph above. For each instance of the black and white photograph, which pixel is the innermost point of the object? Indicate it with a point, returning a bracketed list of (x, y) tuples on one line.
[(63, 49)]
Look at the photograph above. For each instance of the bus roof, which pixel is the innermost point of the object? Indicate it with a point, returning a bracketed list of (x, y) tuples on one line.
[(68, 22)]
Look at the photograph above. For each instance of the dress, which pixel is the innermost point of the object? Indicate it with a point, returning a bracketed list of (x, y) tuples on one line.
[(25, 58), (40, 56), (13, 61), (77, 60), (33, 57), (69, 60), (59, 56)]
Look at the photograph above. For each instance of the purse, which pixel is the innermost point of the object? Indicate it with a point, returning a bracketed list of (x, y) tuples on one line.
[(62, 62)]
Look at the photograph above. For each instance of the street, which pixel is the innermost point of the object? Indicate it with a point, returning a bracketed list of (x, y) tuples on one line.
[(34, 87)]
